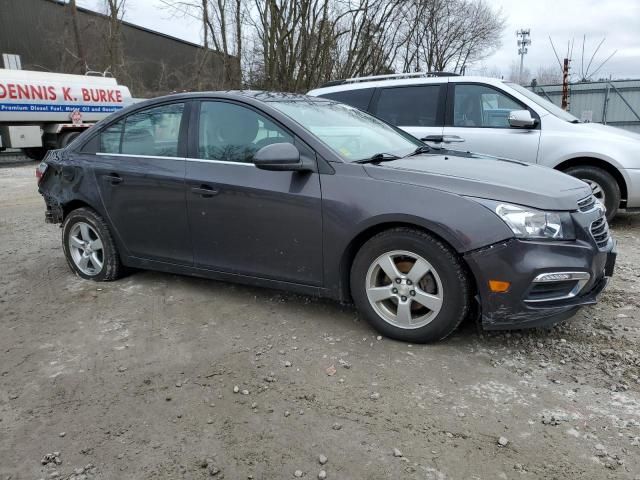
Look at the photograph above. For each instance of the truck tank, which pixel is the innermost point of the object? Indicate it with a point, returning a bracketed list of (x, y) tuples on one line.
[(43, 97)]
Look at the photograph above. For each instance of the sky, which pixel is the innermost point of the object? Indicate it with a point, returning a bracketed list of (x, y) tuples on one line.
[(562, 20)]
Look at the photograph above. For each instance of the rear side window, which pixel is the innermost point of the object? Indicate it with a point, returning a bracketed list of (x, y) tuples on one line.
[(356, 98), (153, 132), (111, 137), (414, 106)]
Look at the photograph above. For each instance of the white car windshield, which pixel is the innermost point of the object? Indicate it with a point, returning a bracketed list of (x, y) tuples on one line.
[(552, 108), (351, 133)]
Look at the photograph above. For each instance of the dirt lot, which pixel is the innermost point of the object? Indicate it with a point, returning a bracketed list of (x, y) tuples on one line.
[(136, 379)]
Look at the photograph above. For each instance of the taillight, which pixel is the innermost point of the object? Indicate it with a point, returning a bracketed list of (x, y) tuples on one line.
[(40, 171)]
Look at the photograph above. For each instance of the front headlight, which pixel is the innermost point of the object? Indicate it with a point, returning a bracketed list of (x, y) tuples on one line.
[(526, 222)]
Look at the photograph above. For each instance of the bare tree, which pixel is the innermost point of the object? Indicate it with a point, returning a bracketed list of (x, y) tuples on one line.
[(441, 35), (113, 42), (514, 74), (296, 45), (82, 58), (549, 75), (222, 30)]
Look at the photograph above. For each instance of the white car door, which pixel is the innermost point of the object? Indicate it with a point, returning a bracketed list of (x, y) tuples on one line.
[(479, 122), (417, 109)]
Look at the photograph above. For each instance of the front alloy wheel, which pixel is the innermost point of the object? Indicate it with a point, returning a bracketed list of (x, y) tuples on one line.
[(410, 285), (404, 289)]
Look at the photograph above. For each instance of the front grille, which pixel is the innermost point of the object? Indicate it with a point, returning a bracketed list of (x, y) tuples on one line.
[(587, 204), (600, 232)]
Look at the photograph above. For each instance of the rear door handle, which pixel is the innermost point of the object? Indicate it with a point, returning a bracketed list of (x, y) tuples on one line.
[(205, 191), (113, 178)]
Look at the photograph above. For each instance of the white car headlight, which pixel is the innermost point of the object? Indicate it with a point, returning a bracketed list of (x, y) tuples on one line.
[(527, 222)]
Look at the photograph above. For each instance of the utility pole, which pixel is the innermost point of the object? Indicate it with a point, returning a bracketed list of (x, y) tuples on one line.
[(523, 41), (565, 84)]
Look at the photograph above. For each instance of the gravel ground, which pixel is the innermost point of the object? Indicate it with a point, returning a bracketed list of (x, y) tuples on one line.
[(137, 379)]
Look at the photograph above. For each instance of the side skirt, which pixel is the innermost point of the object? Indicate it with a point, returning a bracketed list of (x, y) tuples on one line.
[(301, 289)]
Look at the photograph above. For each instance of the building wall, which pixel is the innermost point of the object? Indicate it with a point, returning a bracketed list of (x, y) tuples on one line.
[(602, 102), (41, 32)]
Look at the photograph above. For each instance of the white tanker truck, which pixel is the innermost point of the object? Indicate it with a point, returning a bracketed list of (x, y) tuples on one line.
[(40, 111)]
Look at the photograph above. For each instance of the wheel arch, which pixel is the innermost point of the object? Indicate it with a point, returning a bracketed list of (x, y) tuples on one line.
[(370, 231), (74, 204), (598, 163)]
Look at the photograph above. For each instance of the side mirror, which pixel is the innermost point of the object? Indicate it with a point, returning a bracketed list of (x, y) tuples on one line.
[(280, 156), (521, 119)]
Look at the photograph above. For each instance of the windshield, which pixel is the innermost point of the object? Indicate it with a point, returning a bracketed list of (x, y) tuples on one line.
[(351, 133), (552, 108)]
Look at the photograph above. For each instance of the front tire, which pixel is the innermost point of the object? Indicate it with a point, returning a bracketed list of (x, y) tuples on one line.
[(89, 247), (604, 187), (410, 286)]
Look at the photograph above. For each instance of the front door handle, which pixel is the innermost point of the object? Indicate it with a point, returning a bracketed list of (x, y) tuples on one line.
[(452, 139), (442, 139), (204, 191), (113, 178)]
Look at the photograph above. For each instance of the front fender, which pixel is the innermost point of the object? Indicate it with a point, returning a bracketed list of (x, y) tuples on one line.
[(353, 209)]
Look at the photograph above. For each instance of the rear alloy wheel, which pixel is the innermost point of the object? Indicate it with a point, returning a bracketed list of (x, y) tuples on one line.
[(410, 286), (89, 247), (603, 186), (86, 248)]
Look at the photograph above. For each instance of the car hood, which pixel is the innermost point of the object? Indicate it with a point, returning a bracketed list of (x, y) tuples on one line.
[(606, 132), (486, 177)]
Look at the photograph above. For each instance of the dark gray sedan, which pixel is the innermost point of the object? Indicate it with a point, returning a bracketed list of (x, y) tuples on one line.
[(316, 197)]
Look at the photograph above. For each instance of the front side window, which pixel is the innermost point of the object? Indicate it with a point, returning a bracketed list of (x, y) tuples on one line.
[(351, 133), (415, 106), (153, 132), (481, 106), (234, 133)]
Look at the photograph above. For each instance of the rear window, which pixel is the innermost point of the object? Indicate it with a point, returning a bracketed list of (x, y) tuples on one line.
[(356, 98), (415, 106)]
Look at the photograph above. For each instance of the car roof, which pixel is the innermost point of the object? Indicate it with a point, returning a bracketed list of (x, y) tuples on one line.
[(243, 95), (355, 84)]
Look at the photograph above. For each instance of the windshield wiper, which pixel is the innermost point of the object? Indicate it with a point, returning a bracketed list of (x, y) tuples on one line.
[(378, 157), (419, 150)]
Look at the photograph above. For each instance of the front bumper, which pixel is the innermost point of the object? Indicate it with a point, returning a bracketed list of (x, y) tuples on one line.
[(520, 262), (632, 178)]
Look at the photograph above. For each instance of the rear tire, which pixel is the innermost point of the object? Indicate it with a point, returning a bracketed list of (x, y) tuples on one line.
[(423, 299), (89, 247), (35, 153), (66, 138), (603, 186)]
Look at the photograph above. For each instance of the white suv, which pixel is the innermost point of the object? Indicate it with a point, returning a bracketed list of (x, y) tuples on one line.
[(490, 116)]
